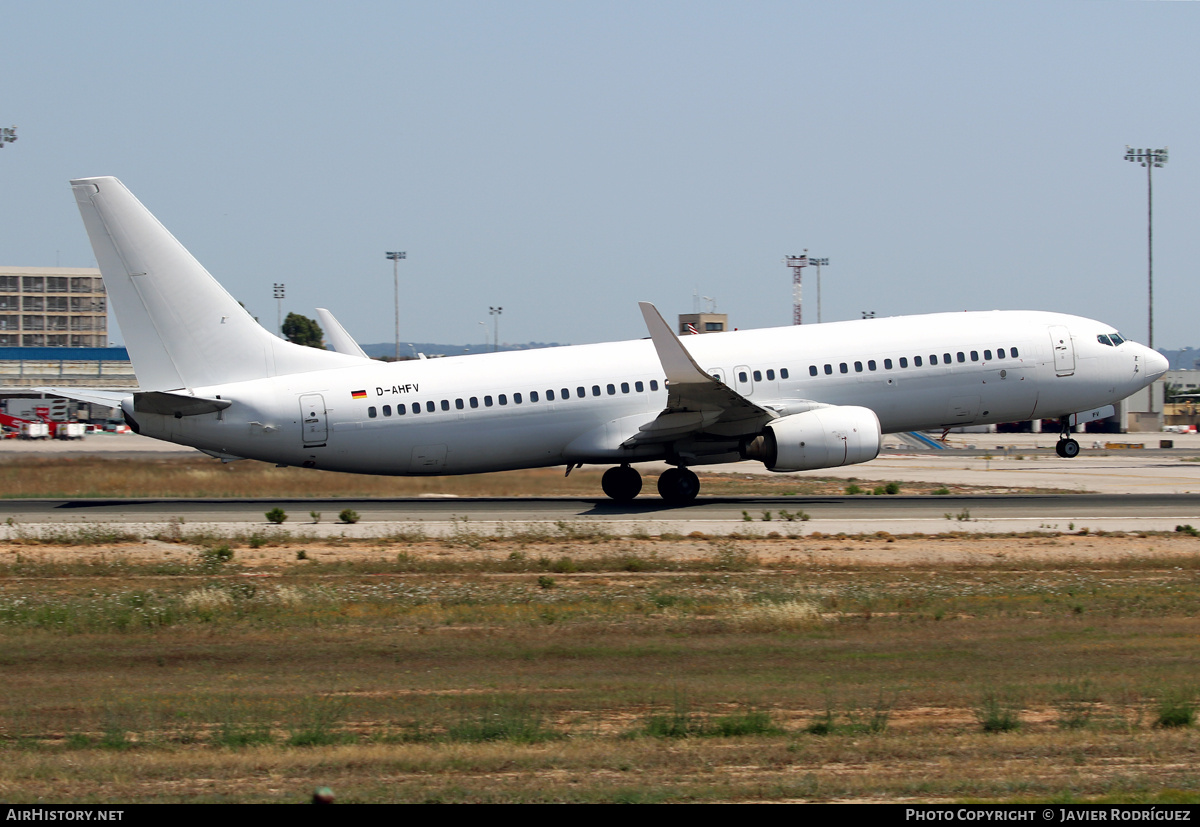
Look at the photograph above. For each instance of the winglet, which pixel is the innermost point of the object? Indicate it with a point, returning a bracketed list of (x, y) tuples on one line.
[(342, 341), (677, 363)]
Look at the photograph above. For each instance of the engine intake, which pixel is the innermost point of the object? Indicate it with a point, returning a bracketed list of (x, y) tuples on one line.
[(821, 438)]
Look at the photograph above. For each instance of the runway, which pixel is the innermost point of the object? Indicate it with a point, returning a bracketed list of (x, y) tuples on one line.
[(568, 517)]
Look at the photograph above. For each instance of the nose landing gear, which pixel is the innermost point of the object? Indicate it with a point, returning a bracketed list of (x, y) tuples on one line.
[(1066, 447)]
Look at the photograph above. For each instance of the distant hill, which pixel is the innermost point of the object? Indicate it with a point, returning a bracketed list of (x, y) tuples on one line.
[(1186, 359), (407, 349)]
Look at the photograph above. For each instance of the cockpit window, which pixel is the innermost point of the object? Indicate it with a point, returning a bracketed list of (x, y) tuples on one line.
[(1104, 340), (1116, 338)]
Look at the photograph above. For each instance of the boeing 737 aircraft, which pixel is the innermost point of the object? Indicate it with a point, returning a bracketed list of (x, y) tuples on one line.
[(793, 398)]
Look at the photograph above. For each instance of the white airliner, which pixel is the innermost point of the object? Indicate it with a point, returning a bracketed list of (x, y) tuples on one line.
[(794, 398)]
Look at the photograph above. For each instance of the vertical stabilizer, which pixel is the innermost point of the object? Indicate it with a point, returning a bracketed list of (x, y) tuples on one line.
[(182, 329)]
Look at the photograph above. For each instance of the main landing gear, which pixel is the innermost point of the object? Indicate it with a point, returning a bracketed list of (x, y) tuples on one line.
[(677, 486), (1066, 447), (621, 483)]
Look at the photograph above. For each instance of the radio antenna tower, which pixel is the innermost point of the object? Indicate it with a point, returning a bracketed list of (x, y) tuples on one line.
[(797, 265)]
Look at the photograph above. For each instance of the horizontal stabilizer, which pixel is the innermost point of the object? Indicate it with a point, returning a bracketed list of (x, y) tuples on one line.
[(176, 404), (93, 396)]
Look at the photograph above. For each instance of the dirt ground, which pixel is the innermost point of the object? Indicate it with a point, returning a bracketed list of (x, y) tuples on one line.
[(951, 549)]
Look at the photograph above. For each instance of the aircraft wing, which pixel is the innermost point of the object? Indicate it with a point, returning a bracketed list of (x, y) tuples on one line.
[(698, 405)]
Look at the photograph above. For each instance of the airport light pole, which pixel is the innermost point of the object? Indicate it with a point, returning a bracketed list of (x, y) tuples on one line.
[(279, 297), (395, 259), (495, 313), (7, 135), (818, 263), (1149, 158)]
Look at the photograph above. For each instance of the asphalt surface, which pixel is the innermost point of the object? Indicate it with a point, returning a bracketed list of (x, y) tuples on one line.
[(711, 515)]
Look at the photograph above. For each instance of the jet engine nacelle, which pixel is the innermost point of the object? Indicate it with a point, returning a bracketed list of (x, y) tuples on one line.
[(821, 438)]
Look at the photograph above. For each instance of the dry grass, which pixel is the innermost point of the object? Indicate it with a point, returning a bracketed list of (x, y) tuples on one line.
[(456, 673)]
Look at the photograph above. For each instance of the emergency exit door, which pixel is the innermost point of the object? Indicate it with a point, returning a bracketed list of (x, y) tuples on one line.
[(314, 425)]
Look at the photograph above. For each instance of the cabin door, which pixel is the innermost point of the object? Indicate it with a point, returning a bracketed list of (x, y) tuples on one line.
[(1064, 350)]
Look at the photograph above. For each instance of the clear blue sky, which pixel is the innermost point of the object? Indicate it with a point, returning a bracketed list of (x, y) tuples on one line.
[(566, 159)]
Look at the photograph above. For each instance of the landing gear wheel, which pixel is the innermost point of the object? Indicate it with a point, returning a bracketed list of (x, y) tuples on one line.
[(678, 486), (621, 483), (1067, 448)]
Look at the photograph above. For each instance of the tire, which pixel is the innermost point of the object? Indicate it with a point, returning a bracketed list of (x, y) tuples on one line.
[(1070, 449), (622, 483), (678, 486)]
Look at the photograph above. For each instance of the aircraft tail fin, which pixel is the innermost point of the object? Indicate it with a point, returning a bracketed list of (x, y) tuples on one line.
[(182, 329)]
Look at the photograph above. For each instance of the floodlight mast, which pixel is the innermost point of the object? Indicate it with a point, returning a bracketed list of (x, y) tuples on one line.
[(797, 265), (279, 297), (395, 259), (818, 263), (1149, 158)]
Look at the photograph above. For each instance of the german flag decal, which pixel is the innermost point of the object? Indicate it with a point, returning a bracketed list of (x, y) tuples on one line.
[(358, 394)]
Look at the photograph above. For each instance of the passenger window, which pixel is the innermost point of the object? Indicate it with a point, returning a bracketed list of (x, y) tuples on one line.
[(974, 355), (502, 398), (742, 377), (858, 367), (887, 364), (770, 375), (783, 373), (429, 406), (903, 361), (371, 412), (1000, 353), (916, 361), (595, 390), (445, 404), (566, 393), (487, 401), (549, 395), (812, 370), (516, 399), (474, 401), (612, 389), (933, 358), (624, 387), (870, 364), (458, 403), (758, 376), (401, 410), (639, 386), (416, 407), (387, 410), (844, 368), (829, 370), (962, 357), (653, 384), (987, 356), (1012, 351)]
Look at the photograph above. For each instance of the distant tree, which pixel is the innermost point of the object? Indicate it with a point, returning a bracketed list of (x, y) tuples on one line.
[(302, 330)]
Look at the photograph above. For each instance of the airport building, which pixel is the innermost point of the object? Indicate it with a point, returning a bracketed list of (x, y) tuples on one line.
[(53, 307), (702, 323)]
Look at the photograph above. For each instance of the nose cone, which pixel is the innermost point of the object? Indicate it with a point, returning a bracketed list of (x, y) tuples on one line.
[(1156, 364)]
